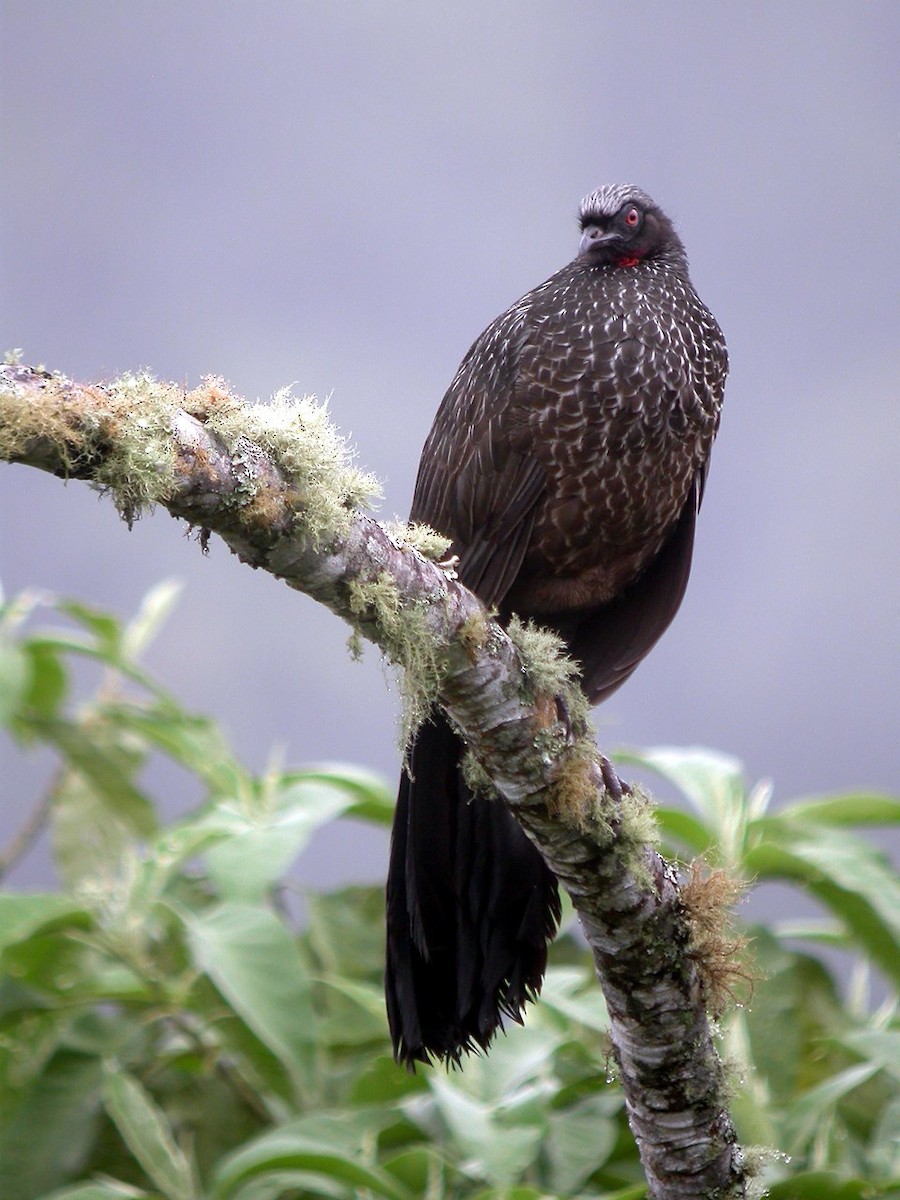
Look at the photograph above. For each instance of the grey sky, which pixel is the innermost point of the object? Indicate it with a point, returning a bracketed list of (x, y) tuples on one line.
[(344, 194)]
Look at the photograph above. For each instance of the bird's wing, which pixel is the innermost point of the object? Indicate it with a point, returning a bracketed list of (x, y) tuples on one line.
[(477, 485), (612, 640)]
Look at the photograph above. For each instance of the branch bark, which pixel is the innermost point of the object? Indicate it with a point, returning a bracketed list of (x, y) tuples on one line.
[(216, 463)]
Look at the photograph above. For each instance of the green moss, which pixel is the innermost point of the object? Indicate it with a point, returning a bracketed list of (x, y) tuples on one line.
[(547, 666), (124, 428), (139, 467), (476, 778), (299, 438), (408, 641), (423, 538)]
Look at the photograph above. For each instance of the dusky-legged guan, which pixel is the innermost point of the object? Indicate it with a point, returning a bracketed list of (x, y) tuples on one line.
[(566, 464)]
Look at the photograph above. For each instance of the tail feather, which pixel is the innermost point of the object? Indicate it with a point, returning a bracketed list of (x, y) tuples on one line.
[(471, 906)]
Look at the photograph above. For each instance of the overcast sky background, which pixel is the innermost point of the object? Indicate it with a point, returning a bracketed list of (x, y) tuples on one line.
[(344, 195)]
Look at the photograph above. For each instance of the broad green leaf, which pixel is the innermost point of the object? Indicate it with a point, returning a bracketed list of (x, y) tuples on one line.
[(497, 1152), (580, 1139), (379, 1082), (829, 1185), (684, 829), (110, 1189), (48, 682), (325, 1147), (886, 1143), (849, 875), (355, 1015), (15, 675), (24, 914), (59, 642), (253, 960), (417, 1166), (567, 991), (194, 742), (263, 843), (89, 837), (153, 613), (880, 1046), (714, 784), (107, 765), (854, 808), (105, 628), (147, 1134), (46, 1139), (512, 1070), (372, 798), (518, 1193), (807, 1111), (793, 1007), (345, 931)]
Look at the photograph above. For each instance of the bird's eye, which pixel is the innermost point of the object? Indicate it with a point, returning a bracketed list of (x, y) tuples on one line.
[(632, 218)]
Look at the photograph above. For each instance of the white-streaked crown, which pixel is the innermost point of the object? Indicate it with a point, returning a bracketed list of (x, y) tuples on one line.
[(606, 201)]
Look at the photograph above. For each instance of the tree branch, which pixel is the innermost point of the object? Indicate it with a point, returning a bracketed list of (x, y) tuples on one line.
[(276, 484)]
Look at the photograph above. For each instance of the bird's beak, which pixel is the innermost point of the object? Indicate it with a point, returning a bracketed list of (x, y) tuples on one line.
[(593, 237)]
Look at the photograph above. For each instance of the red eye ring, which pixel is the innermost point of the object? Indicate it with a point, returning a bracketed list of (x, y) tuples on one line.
[(632, 217)]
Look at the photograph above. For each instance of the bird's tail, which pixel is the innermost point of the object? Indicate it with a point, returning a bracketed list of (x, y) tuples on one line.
[(471, 907)]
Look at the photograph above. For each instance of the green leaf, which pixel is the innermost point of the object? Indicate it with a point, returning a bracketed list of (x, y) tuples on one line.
[(107, 766), (15, 676), (683, 829), (49, 680), (880, 1046), (345, 931), (253, 961), (567, 991), (497, 1152), (105, 628), (146, 1132), (714, 784), (828, 1185), (110, 1189), (324, 1147), (263, 842), (89, 837), (849, 875), (153, 613), (372, 798), (14, 679), (853, 808), (23, 915), (580, 1140), (809, 1111), (194, 742), (46, 1139), (355, 1013), (795, 1004)]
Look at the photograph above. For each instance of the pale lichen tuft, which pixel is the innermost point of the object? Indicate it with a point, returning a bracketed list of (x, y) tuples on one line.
[(299, 438), (407, 640), (422, 538)]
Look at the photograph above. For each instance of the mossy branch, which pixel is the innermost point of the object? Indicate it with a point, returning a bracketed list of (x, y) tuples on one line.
[(278, 485)]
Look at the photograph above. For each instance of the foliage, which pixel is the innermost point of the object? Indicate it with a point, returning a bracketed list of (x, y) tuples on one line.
[(168, 1029)]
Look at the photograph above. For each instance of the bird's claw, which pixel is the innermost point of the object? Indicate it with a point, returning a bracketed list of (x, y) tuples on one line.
[(616, 787)]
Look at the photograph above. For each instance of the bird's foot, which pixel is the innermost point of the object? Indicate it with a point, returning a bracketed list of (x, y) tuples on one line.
[(616, 787)]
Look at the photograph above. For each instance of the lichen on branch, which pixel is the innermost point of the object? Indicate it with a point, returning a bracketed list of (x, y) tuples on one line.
[(278, 484), (120, 435)]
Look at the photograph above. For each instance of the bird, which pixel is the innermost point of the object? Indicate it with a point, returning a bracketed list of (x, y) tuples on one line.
[(566, 465)]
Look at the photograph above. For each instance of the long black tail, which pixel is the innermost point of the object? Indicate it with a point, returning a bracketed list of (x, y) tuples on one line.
[(471, 906)]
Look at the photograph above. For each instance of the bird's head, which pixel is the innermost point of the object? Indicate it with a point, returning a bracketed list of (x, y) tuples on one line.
[(621, 226)]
